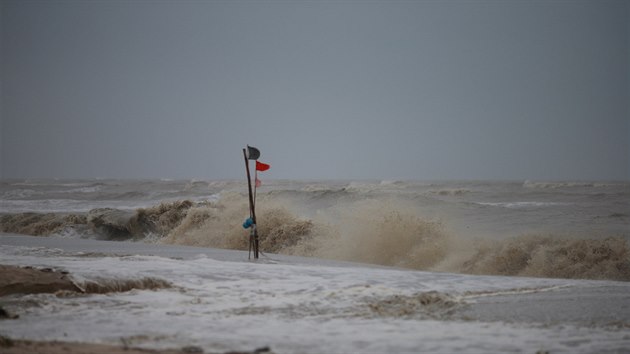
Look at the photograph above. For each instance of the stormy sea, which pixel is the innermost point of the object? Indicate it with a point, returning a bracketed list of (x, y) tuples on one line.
[(346, 266)]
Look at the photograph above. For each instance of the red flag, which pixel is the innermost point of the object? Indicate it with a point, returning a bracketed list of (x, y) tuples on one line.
[(258, 182), (261, 166)]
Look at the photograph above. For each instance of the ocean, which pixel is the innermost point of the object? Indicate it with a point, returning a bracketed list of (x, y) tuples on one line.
[(508, 228), (346, 266)]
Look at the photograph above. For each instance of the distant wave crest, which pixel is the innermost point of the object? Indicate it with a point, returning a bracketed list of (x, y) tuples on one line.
[(451, 192), (554, 185)]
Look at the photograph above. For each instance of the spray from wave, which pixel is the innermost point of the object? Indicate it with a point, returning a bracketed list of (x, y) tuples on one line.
[(369, 231), (391, 233), (552, 256), (379, 232), (218, 224)]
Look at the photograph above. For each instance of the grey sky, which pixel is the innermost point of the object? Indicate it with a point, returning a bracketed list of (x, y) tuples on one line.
[(355, 89)]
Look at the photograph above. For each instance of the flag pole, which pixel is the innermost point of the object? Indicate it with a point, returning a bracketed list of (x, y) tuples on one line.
[(252, 211)]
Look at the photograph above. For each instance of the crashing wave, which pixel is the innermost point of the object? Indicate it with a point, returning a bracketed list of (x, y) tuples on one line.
[(117, 224), (554, 257), (104, 286), (39, 224), (387, 232)]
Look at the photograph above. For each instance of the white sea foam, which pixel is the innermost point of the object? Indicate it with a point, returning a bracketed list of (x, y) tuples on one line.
[(292, 306), (18, 194), (87, 189), (572, 185), (521, 205)]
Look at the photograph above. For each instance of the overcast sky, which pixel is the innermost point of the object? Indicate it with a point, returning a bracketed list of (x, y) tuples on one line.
[(325, 89)]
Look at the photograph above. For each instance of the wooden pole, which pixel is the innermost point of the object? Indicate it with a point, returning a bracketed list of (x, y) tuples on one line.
[(252, 210)]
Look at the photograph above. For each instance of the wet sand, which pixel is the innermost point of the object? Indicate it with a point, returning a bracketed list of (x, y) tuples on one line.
[(27, 280), (8, 346)]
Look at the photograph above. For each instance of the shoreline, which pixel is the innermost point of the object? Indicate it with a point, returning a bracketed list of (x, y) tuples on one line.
[(26, 280)]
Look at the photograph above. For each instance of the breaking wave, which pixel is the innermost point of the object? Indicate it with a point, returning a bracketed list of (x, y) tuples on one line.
[(389, 232), (106, 223), (123, 224), (450, 192), (40, 224), (219, 224), (104, 286), (368, 231), (552, 256), (430, 304)]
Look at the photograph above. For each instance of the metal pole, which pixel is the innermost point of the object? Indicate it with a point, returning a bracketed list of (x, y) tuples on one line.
[(252, 211)]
